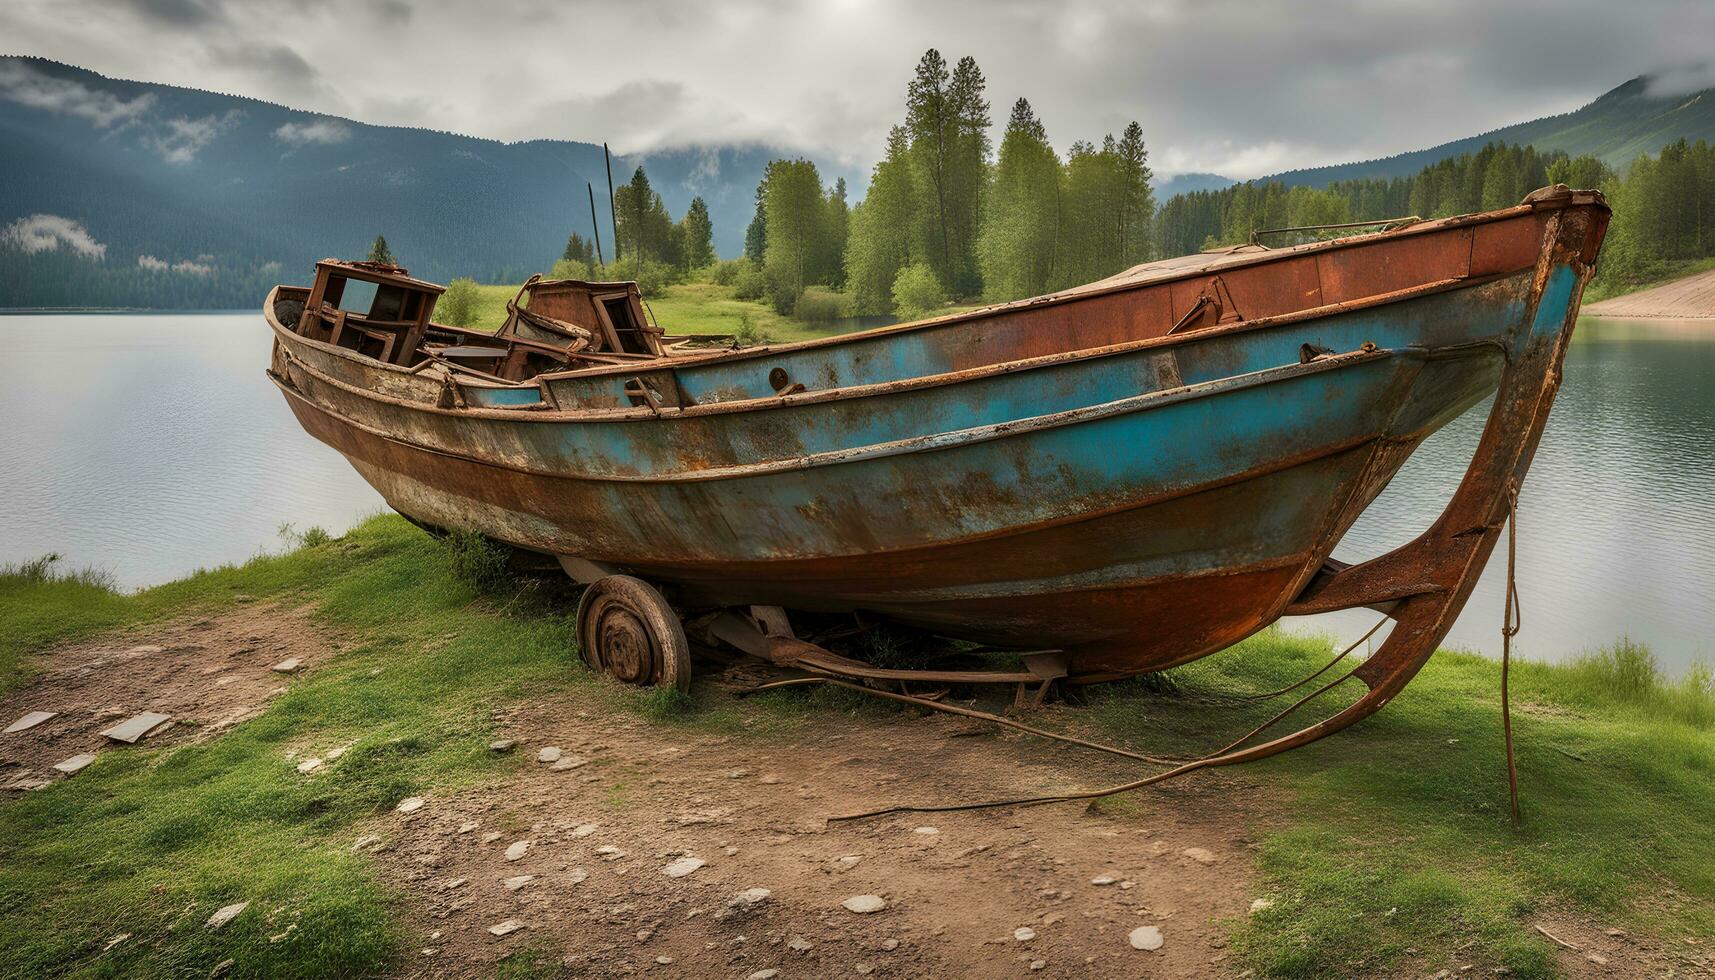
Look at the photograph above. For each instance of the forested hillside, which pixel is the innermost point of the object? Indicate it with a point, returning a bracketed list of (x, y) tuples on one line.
[(120, 193)]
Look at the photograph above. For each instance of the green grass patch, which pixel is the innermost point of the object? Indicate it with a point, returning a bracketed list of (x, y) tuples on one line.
[(151, 842), (1396, 835)]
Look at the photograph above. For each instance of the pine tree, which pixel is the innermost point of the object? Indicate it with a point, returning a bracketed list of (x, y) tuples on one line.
[(379, 252), (1017, 246), (879, 243), (835, 230), (796, 215), (699, 232)]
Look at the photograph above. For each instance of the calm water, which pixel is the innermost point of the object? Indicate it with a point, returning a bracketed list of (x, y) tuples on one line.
[(153, 445)]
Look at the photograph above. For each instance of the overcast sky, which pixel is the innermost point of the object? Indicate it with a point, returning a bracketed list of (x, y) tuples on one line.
[(1241, 89)]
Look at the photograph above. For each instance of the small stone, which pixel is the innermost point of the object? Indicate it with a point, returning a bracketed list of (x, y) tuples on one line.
[(226, 914), (503, 745), (682, 867), (367, 840), (569, 762), (850, 861), (663, 960), (29, 721), (136, 727), (1598, 959), (1127, 885), (1262, 905), (309, 765), (410, 804), (864, 904), (491, 837), (1024, 934), (926, 831), (863, 969), (729, 851), (1613, 932), (506, 928), (768, 974), (890, 944), (74, 764), (549, 753), (1038, 964), (517, 881), (455, 883), (738, 774), (749, 897), (1103, 880), (583, 830), (577, 876), (609, 853), (1145, 937), (288, 666), (467, 826), (336, 753), (517, 850), (644, 934), (1199, 855), (799, 943), (769, 780)]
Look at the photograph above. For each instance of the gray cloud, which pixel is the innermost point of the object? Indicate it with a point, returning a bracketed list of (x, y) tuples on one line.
[(180, 140), (39, 233), (325, 131), (1243, 88), (21, 83)]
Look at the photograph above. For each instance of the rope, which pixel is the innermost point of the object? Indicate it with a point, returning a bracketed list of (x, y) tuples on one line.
[(1511, 620)]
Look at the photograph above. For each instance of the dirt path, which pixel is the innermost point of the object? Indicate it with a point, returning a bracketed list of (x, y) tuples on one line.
[(1051, 890), (205, 675), (1691, 297), (569, 857)]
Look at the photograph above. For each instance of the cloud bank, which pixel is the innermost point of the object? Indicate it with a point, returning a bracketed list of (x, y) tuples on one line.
[(48, 233)]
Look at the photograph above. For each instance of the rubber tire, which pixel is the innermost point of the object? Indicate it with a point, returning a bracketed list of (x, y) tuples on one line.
[(642, 600)]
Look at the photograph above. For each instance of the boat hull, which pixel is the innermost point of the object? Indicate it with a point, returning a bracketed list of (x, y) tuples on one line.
[(1139, 506)]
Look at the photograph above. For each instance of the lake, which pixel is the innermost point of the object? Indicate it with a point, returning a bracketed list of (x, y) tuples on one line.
[(152, 445)]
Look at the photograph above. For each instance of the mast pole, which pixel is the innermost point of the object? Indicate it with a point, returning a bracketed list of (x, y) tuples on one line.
[(595, 227)]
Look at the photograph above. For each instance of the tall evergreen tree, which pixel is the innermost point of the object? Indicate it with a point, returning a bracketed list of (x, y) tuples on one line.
[(1018, 244), (835, 231), (795, 210), (699, 235), (881, 231), (756, 233)]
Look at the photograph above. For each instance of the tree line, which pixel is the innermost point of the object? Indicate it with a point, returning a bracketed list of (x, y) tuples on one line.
[(648, 246), (945, 216), (1664, 206)]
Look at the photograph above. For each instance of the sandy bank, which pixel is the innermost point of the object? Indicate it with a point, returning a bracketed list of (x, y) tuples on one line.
[(1691, 297)]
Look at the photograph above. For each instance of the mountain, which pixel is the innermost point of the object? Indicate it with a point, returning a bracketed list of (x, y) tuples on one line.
[(121, 193), (1190, 182), (1617, 127)]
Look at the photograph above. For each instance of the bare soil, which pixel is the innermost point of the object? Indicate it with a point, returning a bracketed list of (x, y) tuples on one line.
[(1693, 296), (205, 675), (584, 845)]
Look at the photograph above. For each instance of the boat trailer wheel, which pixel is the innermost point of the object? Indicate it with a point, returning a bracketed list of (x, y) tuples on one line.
[(627, 629)]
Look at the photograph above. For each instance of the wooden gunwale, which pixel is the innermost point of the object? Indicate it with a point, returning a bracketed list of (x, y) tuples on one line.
[(637, 413)]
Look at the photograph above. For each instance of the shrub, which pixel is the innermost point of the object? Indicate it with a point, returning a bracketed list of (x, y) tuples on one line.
[(750, 283), (457, 305), (571, 269), (916, 292), (820, 305), (748, 335), (45, 570), (726, 273)]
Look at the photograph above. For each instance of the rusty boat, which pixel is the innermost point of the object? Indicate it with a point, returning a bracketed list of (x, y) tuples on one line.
[(1112, 479)]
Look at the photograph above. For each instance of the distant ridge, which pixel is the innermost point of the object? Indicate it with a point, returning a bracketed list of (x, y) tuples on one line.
[(1618, 126), (1188, 182)]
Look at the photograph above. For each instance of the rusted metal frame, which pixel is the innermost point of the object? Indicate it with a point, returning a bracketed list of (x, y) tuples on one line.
[(953, 709), (1454, 548), (927, 443)]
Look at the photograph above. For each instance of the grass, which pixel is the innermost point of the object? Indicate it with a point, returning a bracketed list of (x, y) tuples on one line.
[(1386, 849), (152, 842), (1396, 843), (1600, 289)]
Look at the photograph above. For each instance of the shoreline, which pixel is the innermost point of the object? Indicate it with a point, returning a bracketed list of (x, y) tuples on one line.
[(1687, 298)]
